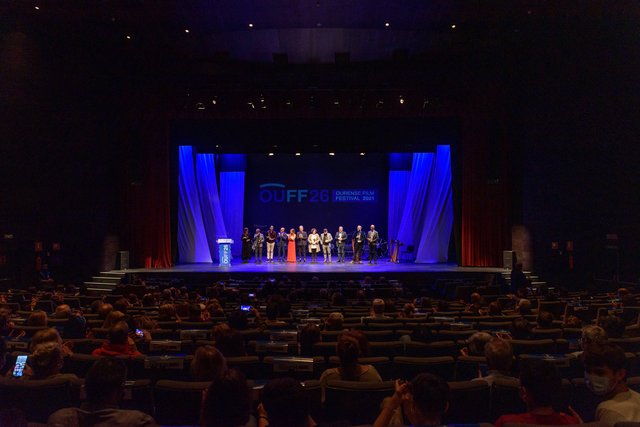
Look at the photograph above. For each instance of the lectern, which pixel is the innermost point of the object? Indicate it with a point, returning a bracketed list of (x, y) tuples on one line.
[(224, 251)]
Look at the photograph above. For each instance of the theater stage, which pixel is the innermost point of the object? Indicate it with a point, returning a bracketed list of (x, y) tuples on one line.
[(406, 272)]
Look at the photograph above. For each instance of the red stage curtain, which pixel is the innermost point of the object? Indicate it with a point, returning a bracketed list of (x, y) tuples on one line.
[(147, 194), (486, 202)]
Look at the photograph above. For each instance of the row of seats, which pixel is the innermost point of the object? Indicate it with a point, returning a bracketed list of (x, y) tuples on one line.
[(178, 402)]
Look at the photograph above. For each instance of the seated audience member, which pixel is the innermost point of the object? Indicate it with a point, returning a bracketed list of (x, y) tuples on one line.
[(408, 311), (338, 300), (591, 334), (424, 305), (104, 310), (499, 354), (46, 362), (227, 401), (494, 309), (229, 341), (76, 324), (273, 308), (49, 335), (572, 322), (605, 376), (166, 312), (215, 309), (545, 320), (238, 320), (208, 364), (614, 326), (334, 322), (284, 404), (476, 344), (37, 318), (149, 300), (122, 305), (119, 343), (104, 385), (309, 335), (349, 350), (195, 313), (476, 303), (523, 307), (540, 383), (521, 329), (423, 401), (377, 310), (112, 319)]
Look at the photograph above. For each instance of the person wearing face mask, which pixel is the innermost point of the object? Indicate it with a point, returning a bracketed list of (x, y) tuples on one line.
[(605, 376), (539, 385)]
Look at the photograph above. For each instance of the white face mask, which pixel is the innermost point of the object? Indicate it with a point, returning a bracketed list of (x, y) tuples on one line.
[(597, 384)]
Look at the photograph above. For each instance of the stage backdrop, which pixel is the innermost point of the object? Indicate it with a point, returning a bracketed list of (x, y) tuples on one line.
[(317, 190), (408, 196)]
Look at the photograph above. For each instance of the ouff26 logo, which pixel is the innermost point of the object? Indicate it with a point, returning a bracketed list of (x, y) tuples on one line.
[(273, 192)]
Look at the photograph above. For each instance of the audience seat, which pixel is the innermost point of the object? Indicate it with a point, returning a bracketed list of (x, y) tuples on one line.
[(138, 395), (386, 348), (39, 398), (436, 348), (467, 367), (355, 401), (533, 346), (469, 403), (408, 367), (250, 366), (381, 363), (178, 402)]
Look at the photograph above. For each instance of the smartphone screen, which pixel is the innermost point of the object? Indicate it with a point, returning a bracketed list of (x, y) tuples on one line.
[(139, 333), (245, 307), (21, 361), (252, 295)]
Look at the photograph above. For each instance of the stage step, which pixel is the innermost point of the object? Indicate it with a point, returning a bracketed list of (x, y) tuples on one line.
[(107, 279), (117, 274)]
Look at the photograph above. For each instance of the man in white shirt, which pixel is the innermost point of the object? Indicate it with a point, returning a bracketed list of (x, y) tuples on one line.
[(605, 376)]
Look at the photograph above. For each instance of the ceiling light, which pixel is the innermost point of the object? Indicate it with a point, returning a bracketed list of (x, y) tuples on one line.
[(453, 26), (200, 105), (37, 8), (186, 30), (128, 37), (332, 154), (271, 154), (401, 100), (250, 25), (362, 154), (386, 24), (336, 102), (298, 154)]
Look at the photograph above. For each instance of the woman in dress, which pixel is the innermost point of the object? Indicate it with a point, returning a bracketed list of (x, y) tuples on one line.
[(246, 245), (291, 247)]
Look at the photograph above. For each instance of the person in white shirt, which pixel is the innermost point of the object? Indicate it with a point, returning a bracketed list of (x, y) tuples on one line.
[(605, 376)]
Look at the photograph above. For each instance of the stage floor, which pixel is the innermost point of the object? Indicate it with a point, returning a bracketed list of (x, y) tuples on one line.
[(383, 266)]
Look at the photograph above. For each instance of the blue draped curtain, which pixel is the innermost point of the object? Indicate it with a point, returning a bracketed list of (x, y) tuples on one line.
[(207, 185), (192, 239), (421, 205), (232, 202)]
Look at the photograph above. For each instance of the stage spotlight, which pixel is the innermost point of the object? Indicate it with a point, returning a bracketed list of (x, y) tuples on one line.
[(128, 37), (250, 25), (287, 102), (200, 105), (362, 154), (217, 145), (453, 26), (252, 105), (332, 154), (186, 30), (386, 24), (401, 100), (336, 102), (271, 154), (37, 8), (214, 101), (298, 154)]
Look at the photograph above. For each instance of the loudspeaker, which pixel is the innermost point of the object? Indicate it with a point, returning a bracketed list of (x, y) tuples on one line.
[(509, 259), (122, 262)]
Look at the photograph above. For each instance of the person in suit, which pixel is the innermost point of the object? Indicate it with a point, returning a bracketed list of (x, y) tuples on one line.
[(246, 245), (258, 242), (314, 245), (358, 243), (301, 244), (326, 239), (282, 242), (372, 238), (341, 241), (271, 243)]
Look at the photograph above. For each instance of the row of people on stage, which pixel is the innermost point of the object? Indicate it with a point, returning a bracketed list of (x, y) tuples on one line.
[(293, 246)]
